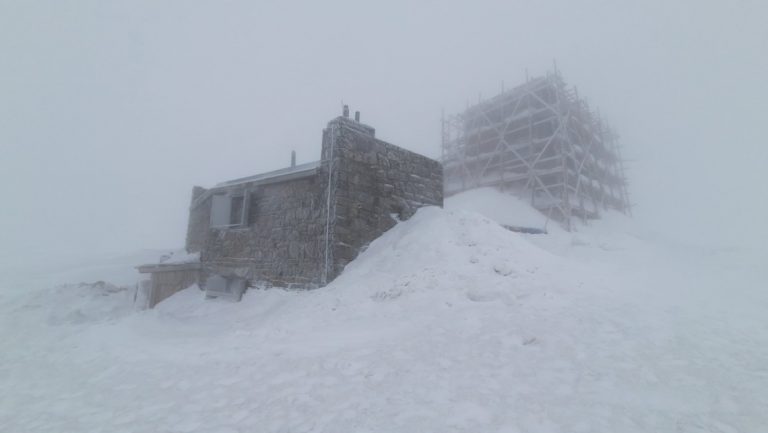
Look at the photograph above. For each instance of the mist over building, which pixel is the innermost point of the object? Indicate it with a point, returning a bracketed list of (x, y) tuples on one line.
[(540, 140)]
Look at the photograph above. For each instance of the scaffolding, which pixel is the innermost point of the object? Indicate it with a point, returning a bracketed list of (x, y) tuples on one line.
[(542, 141)]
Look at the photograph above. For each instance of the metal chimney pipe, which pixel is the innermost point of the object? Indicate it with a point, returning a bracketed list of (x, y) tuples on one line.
[(293, 158), (346, 111), (357, 116)]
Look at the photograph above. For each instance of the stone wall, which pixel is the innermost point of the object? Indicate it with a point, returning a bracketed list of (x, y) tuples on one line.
[(372, 184), (282, 243), (199, 220), (375, 184)]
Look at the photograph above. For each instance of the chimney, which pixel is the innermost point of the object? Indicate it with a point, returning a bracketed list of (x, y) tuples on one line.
[(293, 158), (346, 111), (357, 116)]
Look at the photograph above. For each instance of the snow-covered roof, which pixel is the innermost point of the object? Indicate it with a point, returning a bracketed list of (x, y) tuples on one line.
[(287, 173)]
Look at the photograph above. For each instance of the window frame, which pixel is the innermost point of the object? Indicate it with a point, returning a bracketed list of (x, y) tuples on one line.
[(221, 210)]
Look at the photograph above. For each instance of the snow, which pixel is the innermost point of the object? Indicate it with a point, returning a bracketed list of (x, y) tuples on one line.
[(179, 257), (505, 208), (447, 323)]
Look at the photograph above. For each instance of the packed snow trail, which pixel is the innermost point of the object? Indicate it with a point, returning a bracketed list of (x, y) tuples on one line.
[(446, 323)]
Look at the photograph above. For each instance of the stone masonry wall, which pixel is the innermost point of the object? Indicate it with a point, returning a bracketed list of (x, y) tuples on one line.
[(372, 185), (199, 221), (375, 184), (282, 243)]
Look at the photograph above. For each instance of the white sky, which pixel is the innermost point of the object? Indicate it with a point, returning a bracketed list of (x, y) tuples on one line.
[(111, 111)]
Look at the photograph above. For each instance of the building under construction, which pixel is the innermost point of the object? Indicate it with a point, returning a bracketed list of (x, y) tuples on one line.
[(541, 141)]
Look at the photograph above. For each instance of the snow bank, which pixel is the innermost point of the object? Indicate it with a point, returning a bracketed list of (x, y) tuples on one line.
[(446, 323), (458, 251), (504, 208), (86, 302)]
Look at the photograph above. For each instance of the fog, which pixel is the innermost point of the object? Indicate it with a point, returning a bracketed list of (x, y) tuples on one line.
[(111, 111)]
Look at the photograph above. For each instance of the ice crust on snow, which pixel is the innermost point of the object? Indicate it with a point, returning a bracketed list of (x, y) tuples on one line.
[(448, 322)]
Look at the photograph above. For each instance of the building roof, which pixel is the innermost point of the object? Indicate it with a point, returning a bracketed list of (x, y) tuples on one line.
[(287, 173)]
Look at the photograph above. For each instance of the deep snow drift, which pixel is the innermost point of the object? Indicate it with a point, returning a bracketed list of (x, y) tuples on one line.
[(446, 323), (501, 207)]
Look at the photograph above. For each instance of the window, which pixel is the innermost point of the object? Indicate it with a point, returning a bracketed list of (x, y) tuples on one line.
[(236, 215), (229, 210)]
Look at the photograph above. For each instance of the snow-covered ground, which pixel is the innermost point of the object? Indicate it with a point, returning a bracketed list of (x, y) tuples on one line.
[(501, 207), (447, 323)]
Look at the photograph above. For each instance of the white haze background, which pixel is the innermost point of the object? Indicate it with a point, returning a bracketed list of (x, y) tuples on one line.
[(111, 111)]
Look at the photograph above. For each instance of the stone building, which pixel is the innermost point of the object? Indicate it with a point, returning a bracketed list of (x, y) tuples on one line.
[(298, 227)]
